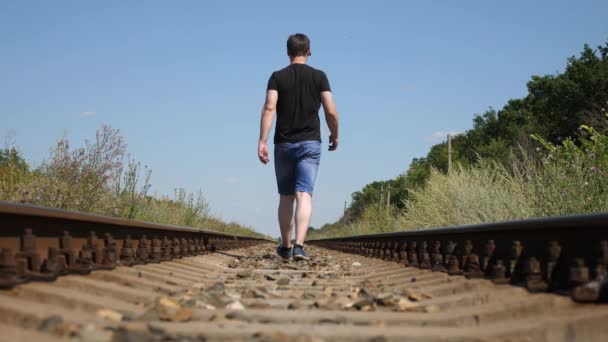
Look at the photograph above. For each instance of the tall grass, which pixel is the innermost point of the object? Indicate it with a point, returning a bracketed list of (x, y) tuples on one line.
[(569, 178), (485, 192), (183, 209), (374, 219), (99, 177)]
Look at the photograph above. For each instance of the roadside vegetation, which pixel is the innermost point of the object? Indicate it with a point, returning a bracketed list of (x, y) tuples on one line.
[(543, 155), (101, 178)]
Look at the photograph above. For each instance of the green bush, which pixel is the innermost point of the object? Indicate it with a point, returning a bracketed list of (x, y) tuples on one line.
[(573, 176)]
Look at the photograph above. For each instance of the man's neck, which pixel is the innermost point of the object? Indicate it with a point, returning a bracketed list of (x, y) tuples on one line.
[(299, 60)]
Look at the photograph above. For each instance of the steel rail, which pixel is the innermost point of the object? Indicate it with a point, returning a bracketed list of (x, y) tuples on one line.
[(566, 255), (38, 243)]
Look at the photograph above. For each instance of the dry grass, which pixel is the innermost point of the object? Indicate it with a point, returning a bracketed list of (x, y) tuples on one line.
[(100, 178), (486, 192)]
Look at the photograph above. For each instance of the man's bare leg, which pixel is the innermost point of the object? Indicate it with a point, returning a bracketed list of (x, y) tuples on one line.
[(286, 218), (303, 214)]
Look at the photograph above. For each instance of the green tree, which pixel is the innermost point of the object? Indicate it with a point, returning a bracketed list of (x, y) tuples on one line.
[(13, 171), (561, 103)]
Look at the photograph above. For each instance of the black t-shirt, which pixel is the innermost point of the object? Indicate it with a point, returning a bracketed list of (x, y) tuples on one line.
[(299, 87)]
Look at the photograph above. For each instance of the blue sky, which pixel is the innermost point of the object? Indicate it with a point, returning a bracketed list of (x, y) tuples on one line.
[(184, 81)]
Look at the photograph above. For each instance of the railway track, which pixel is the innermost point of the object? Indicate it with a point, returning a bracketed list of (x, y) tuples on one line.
[(523, 281)]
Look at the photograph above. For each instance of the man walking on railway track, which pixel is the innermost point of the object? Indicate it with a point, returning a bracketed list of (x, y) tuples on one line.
[(296, 93)]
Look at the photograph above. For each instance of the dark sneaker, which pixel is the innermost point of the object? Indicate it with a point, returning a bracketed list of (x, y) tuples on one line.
[(284, 252), (299, 253)]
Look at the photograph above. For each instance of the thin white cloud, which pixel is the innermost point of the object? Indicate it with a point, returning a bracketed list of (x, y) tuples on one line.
[(440, 135), (88, 114)]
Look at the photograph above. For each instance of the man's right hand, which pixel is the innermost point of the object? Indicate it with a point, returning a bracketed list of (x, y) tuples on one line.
[(263, 153), (331, 116), (333, 143)]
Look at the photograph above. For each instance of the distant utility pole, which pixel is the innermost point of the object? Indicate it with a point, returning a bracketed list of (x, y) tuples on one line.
[(381, 199), (449, 152), (388, 199), (344, 214)]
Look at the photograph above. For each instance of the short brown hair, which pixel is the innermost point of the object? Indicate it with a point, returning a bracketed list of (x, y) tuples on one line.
[(298, 45)]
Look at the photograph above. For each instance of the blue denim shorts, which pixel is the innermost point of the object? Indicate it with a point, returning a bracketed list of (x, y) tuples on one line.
[(296, 165)]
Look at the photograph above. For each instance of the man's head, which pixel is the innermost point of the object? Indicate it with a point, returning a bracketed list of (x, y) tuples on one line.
[(298, 45)]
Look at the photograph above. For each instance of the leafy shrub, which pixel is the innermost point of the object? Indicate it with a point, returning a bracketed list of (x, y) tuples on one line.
[(573, 176), (80, 178)]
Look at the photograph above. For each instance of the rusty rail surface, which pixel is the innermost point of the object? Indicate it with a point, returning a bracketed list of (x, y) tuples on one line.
[(566, 255), (40, 244)]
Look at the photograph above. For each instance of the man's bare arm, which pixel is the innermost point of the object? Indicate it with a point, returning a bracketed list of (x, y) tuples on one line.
[(331, 117), (270, 107)]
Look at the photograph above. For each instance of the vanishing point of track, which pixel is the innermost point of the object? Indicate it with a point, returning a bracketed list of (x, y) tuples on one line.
[(71, 276)]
